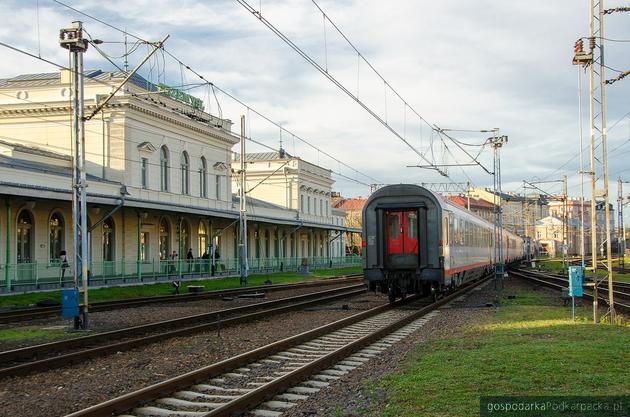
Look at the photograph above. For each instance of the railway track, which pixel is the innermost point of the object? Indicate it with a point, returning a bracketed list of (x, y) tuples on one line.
[(62, 353), (623, 286), (560, 283), (271, 378), (621, 289), (24, 314)]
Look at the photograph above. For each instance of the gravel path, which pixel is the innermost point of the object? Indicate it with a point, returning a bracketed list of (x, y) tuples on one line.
[(348, 396), (103, 321), (60, 391)]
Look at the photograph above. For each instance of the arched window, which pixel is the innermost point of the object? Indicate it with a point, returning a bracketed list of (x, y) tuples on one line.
[(108, 240), (165, 239), (203, 178), (202, 236), (185, 169), (184, 239), (56, 233), (24, 237), (164, 168)]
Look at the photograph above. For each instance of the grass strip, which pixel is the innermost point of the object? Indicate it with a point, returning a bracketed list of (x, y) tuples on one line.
[(529, 347), (165, 288)]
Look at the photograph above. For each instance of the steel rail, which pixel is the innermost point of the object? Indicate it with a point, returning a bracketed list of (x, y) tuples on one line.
[(217, 320), (562, 279), (123, 403), (21, 314), (546, 282)]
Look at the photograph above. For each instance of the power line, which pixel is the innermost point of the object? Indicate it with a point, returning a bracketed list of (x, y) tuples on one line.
[(32, 55), (282, 128), (68, 124), (344, 89), (559, 169), (213, 86)]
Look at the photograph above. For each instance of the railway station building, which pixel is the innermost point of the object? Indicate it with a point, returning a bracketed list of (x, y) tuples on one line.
[(161, 202)]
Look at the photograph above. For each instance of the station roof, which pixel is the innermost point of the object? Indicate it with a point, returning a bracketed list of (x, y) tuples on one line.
[(52, 78), (351, 204), (265, 156)]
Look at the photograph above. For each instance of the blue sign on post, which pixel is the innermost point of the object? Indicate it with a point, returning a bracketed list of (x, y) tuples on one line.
[(70, 302), (576, 275)]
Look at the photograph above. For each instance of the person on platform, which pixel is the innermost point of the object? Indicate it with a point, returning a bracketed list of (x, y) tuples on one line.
[(173, 261), (63, 260), (189, 259)]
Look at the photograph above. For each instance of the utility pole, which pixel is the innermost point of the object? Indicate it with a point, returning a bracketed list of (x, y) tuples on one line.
[(594, 60), (243, 211), (565, 218), (619, 219), (621, 240), (497, 142), (526, 221), (602, 87), (72, 40), (579, 48)]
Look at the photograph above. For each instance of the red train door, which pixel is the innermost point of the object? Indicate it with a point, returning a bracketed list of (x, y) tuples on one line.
[(394, 233), (402, 238)]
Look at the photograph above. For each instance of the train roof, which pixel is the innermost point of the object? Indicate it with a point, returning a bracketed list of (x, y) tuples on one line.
[(443, 201)]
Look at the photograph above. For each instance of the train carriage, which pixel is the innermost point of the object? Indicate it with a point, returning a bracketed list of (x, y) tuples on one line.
[(415, 241)]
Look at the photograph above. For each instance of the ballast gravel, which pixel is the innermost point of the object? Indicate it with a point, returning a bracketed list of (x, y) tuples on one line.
[(103, 321), (62, 391), (348, 396)]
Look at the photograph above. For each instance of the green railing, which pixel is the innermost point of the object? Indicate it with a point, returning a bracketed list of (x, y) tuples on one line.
[(24, 275)]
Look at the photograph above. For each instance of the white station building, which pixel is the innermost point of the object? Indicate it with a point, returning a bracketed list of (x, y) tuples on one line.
[(160, 184)]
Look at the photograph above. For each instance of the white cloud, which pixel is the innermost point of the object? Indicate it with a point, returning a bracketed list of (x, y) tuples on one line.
[(471, 65)]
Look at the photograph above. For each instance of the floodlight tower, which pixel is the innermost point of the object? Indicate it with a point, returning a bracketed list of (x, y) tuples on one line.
[(497, 143)]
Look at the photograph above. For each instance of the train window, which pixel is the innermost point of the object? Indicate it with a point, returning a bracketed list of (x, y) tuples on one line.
[(412, 225), (393, 226), (466, 233), (446, 237)]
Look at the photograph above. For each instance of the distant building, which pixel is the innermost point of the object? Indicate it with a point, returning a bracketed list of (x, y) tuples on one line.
[(550, 234), (519, 212), (478, 206), (575, 210), (294, 184), (353, 208)]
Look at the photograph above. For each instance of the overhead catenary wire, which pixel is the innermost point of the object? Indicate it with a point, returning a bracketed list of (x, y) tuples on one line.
[(214, 86), (573, 157), (386, 85), (343, 88), (136, 161)]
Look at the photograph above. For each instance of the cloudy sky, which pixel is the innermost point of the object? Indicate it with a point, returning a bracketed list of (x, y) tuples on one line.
[(459, 64)]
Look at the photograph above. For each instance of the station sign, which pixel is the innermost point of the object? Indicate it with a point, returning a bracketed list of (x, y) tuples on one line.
[(576, 278), (180, 96)]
